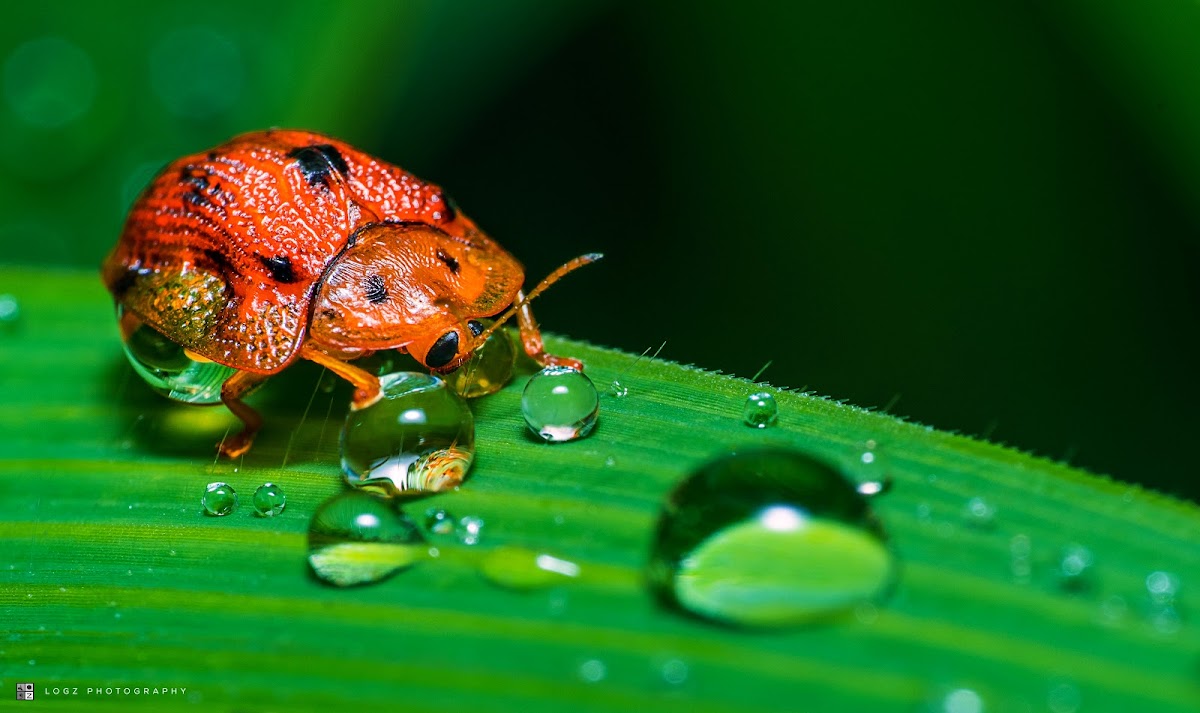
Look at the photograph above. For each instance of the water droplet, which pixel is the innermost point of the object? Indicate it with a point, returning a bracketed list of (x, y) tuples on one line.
[(419, 437), (488, 368), (768, 538), (49, 82), (169, 369), (269, 500), (674, 671), (219, 499), (359, 538), (760, 410), (979, 514), (871, 488), (439, 522), (1019, 550), (961, 700), (560, 404), (1064, 698), (593, 670), (469, 530), (10, 312), (1075, 568), (523, 569), (1162, 587), (618, 390)]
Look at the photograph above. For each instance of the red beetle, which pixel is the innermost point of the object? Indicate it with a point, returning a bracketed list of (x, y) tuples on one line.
[(281, 245)]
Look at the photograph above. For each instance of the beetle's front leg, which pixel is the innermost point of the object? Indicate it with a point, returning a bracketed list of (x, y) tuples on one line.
[(366, 384), (531, 339), (232, 391)]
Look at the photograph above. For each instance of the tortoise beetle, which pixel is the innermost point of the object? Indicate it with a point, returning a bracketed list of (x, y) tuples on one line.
[(282, 245)]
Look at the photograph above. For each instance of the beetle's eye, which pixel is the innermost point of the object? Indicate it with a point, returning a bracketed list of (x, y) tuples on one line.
[(443, 350), (476, 327)]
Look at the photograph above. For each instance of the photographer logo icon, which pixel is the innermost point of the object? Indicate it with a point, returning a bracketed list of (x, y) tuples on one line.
[(24, 691)]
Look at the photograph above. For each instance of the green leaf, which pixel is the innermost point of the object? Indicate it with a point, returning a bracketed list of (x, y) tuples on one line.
[(111, 578)]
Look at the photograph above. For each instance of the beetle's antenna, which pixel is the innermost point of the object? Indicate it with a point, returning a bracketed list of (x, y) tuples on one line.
[(569, 266)]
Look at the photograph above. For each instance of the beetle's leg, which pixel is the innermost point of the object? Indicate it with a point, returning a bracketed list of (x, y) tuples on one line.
[(232, 391), (366, 384), (531, 339)]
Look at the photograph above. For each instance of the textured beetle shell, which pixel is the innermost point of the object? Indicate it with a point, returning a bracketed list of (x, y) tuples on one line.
[(223, 251)]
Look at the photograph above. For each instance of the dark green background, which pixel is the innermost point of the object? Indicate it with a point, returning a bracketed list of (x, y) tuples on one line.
[(981, 216)]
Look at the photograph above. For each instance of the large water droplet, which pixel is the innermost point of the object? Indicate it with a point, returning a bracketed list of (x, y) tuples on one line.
[(269, 500), (170, 370), (560, 404), (760, 410), (219, 499), (768, 538), (359, 538), (419, 437), (488, 368)]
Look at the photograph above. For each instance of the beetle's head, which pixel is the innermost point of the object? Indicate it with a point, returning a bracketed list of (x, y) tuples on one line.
[(414, 287)]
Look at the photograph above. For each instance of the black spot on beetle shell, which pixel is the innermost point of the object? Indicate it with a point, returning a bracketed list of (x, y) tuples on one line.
[(375, 289), (448, 259), (280, 268), (318, 162)]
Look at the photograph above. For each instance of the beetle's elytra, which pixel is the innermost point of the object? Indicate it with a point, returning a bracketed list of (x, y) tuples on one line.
[(281, 245)]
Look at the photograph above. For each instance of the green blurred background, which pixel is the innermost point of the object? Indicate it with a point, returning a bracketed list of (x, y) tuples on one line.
[(982, 216)]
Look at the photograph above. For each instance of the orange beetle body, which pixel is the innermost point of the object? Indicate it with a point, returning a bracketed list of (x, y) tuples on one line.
[(281, 245)]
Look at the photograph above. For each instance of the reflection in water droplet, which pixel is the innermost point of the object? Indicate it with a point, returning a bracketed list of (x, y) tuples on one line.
[(560, 404), (470, 530), (488, 368), (523, 569), (168, 368), (205, 80), (419, 437), (768, 538), (760, 410), (49, 82), (219, 499), (359, 538), (269, 500), (439, 522)]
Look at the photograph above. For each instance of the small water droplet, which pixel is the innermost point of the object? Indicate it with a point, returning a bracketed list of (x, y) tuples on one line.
[(1019, 549), (49, 82), (519, 568), (419, 437), (979, 513), (168, 368), (1162, 587), (768, 538), (488, 368), (1075, 568), (674, 671), (618, 390), (10, 312), (560, 404), (1064, 698), (439, 522), (871, 488), (760, 410), (961, 700), (359, 538), (219, 499), (593, 670), (469, 530), (269, 500), (1114, 609)]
